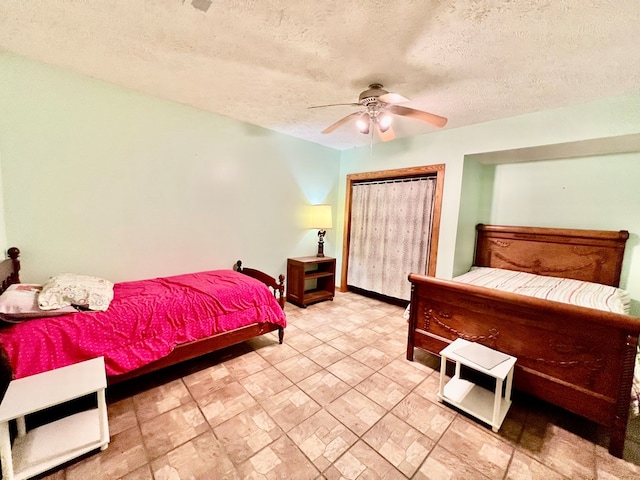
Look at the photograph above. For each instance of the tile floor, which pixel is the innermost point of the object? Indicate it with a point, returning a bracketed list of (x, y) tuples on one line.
[(338, 400)]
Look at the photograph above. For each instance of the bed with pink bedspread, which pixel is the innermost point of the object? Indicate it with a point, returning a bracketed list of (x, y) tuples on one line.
[(151, 324)]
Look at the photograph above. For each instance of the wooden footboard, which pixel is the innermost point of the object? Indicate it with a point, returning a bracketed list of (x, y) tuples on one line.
[(276, 286), (578, 358)]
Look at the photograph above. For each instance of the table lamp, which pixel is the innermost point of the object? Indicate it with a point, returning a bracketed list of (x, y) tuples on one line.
[(321, 220)]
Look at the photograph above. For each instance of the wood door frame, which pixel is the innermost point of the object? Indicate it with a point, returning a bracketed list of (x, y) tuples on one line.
[(437, 170)]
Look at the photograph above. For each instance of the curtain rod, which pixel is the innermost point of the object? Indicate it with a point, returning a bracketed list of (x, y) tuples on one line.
[(395, 180)]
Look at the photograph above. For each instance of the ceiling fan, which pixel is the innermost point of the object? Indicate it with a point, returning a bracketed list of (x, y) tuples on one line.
[(380, 105)]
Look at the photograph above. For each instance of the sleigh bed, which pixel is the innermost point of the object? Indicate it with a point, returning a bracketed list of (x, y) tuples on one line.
[(578, 358), (149, 324)]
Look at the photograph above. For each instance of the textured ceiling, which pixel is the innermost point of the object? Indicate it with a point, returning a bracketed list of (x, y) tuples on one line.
[(265, 62)]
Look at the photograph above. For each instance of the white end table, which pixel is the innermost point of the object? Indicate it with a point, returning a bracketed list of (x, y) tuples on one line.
[(487, 406), (55, 443)]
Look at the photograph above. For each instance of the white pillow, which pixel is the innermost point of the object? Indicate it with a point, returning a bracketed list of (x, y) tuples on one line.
[(81, 290), (20, 301)]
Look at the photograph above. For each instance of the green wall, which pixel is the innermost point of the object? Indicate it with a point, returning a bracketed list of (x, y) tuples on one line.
[(105, 181), (475, 207)]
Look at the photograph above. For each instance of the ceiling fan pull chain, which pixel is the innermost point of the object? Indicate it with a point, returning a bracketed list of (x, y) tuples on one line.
[(371, 144)]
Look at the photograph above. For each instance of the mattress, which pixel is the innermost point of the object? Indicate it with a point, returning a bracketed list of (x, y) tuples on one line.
[(565, 290)]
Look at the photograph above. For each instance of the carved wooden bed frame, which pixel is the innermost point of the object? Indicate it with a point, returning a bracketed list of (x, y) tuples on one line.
[(10, 273), (578, 358)]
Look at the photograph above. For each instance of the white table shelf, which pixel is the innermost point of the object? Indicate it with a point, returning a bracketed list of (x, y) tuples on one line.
[(490, 407), (42, 448)]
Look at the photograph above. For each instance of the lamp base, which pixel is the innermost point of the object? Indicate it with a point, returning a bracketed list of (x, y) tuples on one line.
[(321, 243)]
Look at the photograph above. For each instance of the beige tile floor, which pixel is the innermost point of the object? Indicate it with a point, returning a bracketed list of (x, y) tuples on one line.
[(338, 400)]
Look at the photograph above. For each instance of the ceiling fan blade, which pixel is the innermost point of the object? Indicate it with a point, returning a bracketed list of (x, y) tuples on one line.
[(431, 118), (335, 105), (386, 135), (392, 98), (340, 122)]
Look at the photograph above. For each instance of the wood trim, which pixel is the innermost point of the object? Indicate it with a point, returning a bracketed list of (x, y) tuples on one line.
[(435, 223), (437, 169), (346, 235)]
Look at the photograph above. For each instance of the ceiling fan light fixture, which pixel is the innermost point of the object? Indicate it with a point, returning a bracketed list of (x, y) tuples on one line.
[(384, 122), (380, 107), (363, 123)]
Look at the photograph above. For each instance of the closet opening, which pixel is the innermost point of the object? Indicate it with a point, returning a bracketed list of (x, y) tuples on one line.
[(392, 224)]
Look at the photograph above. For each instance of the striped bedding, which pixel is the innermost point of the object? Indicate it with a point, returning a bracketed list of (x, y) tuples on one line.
[(566, 290)]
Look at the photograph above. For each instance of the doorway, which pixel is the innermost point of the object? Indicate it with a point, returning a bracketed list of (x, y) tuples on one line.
[(392, 224)]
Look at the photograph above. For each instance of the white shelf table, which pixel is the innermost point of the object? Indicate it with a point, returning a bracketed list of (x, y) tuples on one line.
[(55, 443), (490, 407)]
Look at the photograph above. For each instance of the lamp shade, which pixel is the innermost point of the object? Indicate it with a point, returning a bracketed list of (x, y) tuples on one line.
[(321, 217)]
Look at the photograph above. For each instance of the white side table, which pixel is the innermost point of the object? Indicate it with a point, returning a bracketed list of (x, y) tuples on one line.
[(487, 406), (52, 444)]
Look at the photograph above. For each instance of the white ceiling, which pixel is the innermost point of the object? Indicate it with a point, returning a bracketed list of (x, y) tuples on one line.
[(265, 62)]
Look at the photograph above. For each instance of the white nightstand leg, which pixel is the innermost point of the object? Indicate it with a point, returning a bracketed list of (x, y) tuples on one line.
[(443, 369), (509, 384), (104, 419), (22, 426), (5, 452), (496, 405)]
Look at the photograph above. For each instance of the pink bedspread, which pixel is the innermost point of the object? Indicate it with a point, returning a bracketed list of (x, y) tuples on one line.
[(144, 322)]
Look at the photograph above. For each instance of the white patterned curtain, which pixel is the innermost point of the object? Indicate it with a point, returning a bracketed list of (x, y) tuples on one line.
[(390, 234)]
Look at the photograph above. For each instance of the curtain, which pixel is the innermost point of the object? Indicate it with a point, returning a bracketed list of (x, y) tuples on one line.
[(390, 234)]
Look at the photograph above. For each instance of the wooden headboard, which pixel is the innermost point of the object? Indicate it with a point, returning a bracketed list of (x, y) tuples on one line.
[(588, 255), (10, 269)]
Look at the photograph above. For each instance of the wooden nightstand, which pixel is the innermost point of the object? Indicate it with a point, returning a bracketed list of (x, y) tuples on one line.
[(310, 280)]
